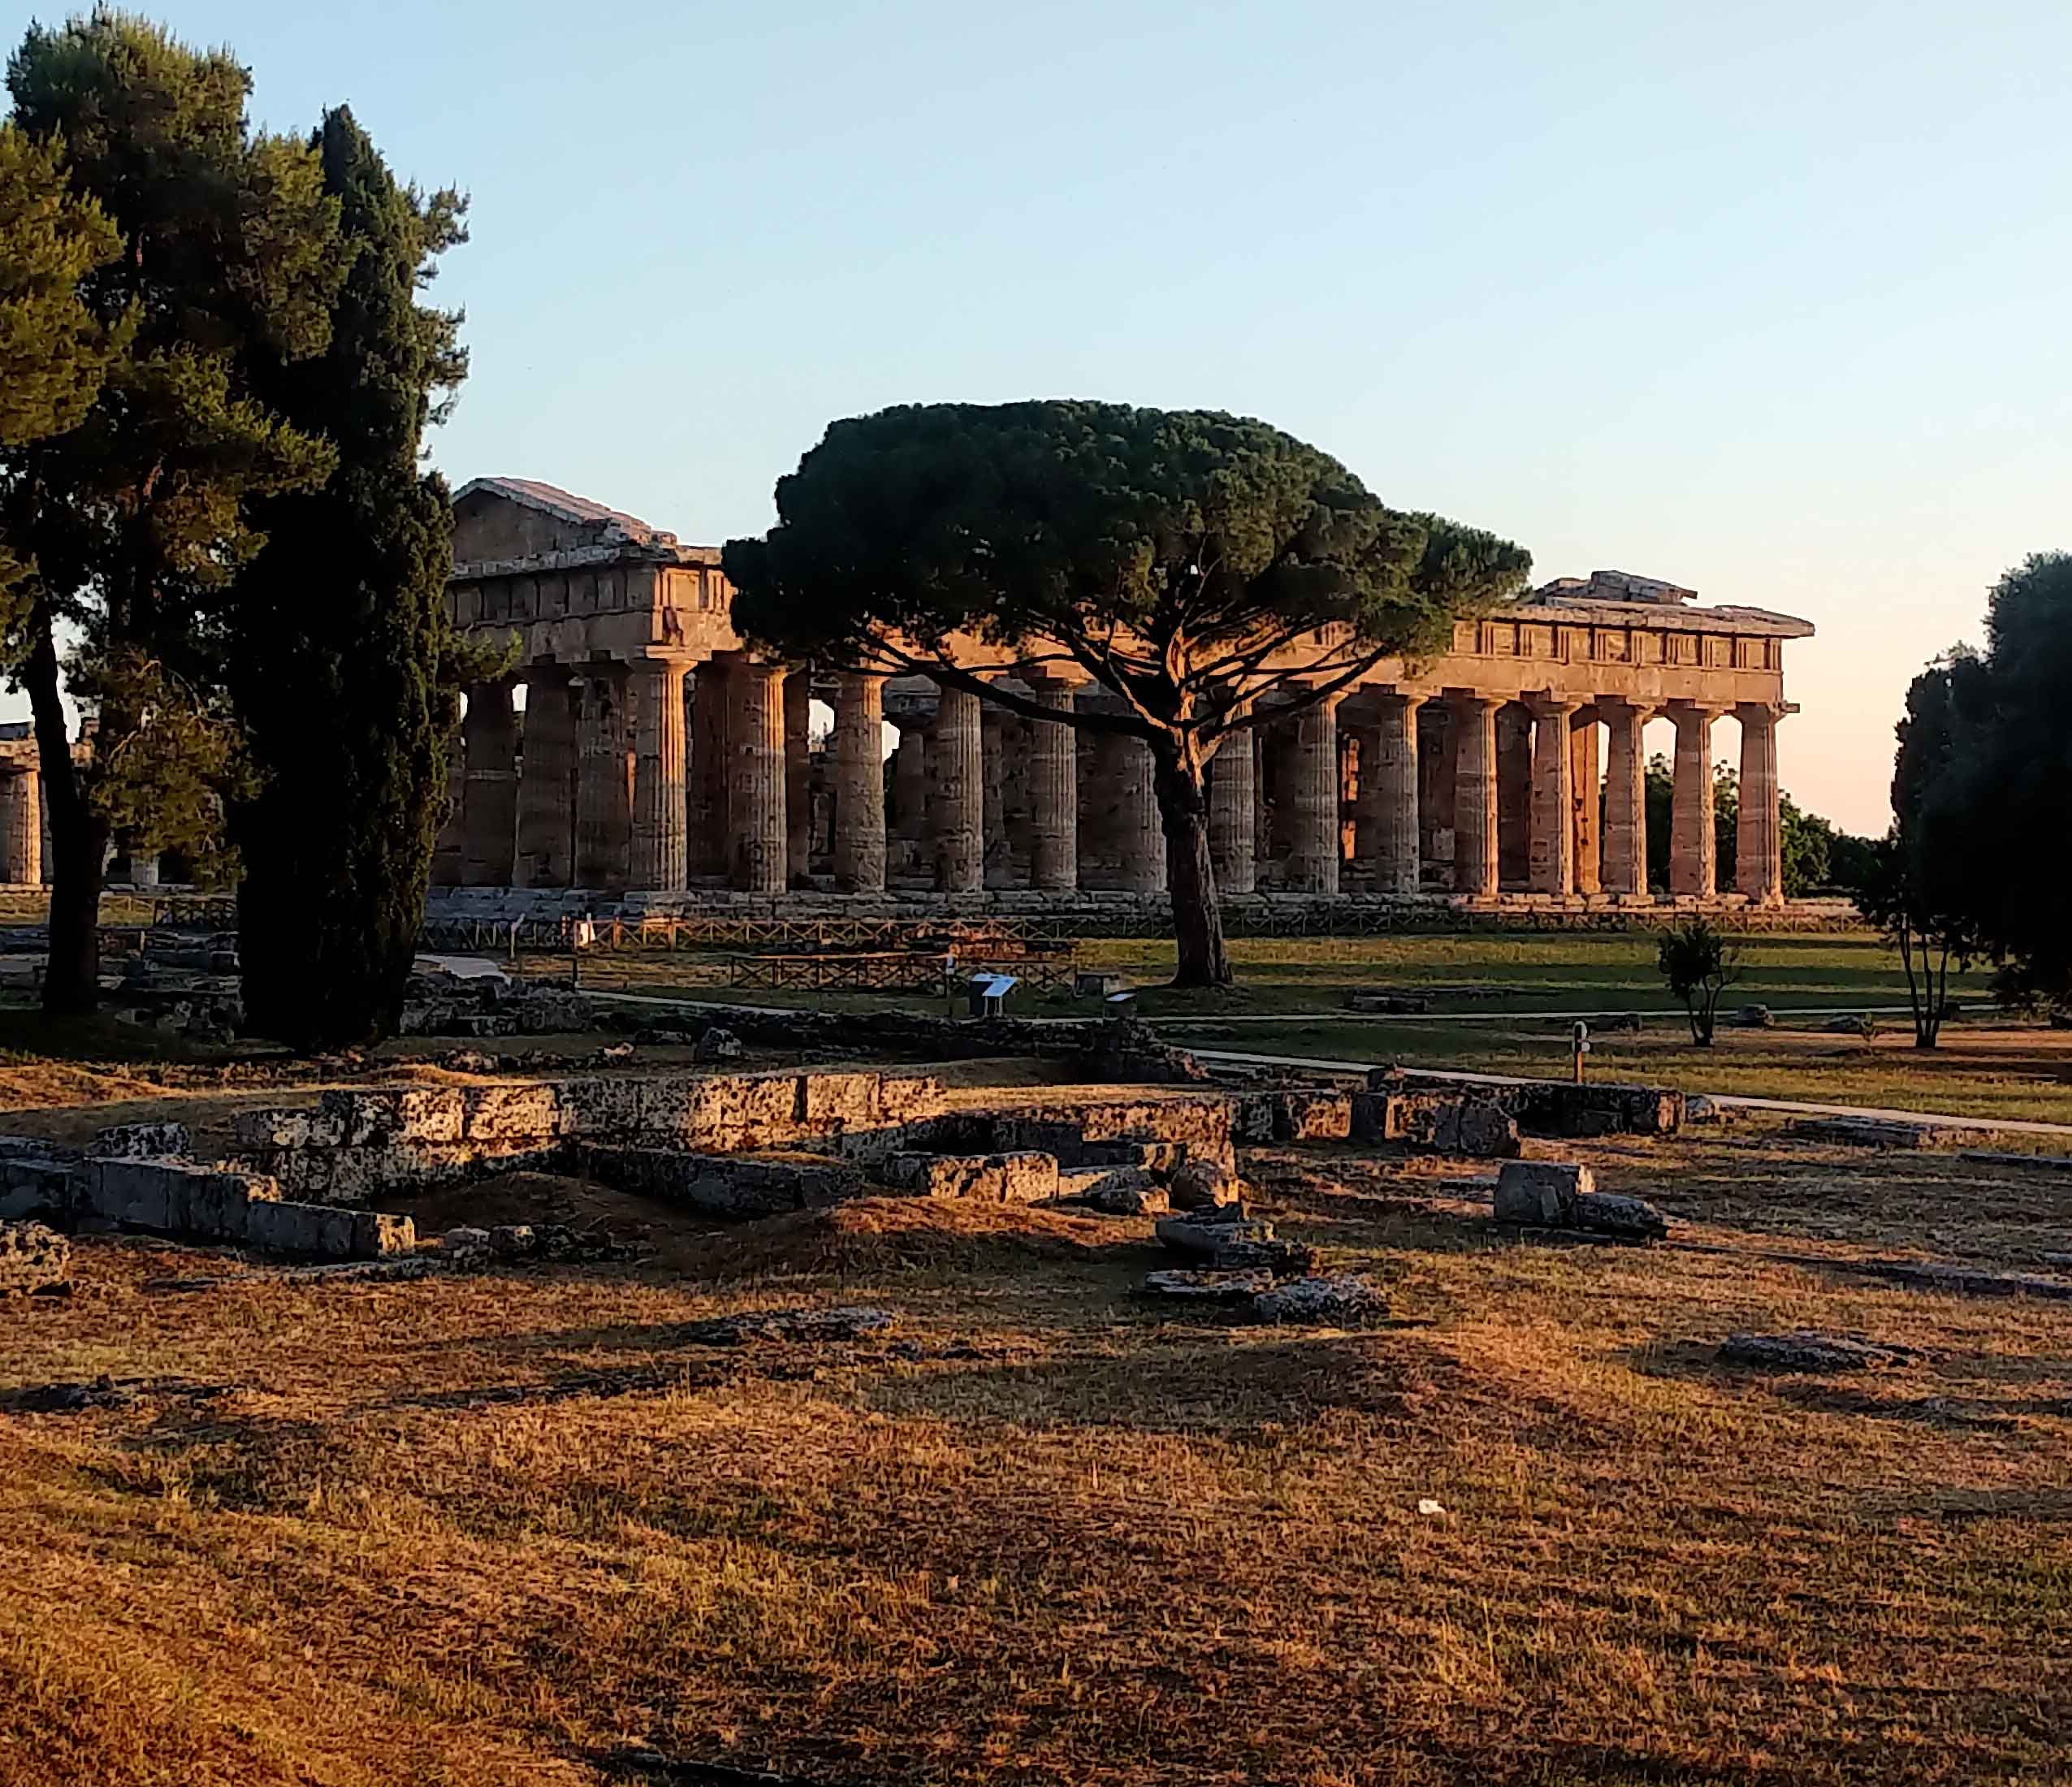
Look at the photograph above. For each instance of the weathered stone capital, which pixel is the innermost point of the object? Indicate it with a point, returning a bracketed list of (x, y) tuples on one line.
[(1761, 713), (1546, 705)]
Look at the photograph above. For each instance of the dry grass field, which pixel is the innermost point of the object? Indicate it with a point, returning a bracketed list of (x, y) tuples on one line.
[(521, 1527)]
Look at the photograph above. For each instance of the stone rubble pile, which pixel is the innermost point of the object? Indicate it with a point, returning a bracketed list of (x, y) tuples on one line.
[(35, 1261), (1560, 1194)]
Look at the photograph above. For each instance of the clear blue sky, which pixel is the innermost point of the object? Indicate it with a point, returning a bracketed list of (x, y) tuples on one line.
[(1766, 299)]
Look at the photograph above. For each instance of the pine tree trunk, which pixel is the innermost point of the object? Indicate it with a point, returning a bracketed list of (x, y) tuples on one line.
[(72, 983), (1190, 874)]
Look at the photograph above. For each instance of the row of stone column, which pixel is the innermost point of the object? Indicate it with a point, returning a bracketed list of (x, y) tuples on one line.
[(1564, 855), (618, 787)]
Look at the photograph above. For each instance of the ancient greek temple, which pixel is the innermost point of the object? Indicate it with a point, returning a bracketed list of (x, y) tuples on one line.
[(635, 745)]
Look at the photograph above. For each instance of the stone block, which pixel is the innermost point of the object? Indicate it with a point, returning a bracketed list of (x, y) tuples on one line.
[(326, 1233), (524, 1113), (154, 1141), (607, 1109), (1345, 1300), (1201, 1185), (280, 1126), (134, 1193), (830, 1101), (1253, 1122), (1540, 1191), (1018, 1178), (1613, 1213), (33, 1187), (32, 1258), (1376, 1117), (904, 1097), (1487, 1131), (409, 1113)]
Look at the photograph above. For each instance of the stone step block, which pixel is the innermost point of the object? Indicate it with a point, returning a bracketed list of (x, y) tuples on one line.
[(1022, 1177), (1542, 1192)]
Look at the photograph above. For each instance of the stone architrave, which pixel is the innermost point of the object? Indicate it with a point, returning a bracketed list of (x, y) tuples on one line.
[(1054, 793), (1233, 815), (21, 828), (1318, 841), (760, 849), (546, 781), (958, 815), (1398, 842), (1140, 838), (1759, 833), (660, 860), (859, 838), (1554, 826), (1624, 870), (490, 803), (1693, 860), (1475, 825), (1586, 791)]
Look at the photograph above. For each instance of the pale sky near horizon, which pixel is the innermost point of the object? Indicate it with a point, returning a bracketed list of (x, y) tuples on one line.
[(1765, 299)]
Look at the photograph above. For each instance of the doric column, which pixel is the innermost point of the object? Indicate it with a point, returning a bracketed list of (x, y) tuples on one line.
[(1583, 782), (659, 798), (1474, 796), (1233, 812), (859, 786), (1553, 820), (1625, 799), (1692, 861), (959, 811), (603, 781), (1318, 841), (997, 848), (490, 803), (546, 782), (1758, 831), (1139, 837), (21, 828), (1054, 794), (711, 770), (798, 774), (758, 851), (1397, 845)]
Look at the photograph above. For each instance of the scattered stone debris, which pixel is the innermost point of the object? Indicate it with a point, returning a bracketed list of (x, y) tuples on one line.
[(1852, 1024), (1613, 1213), (34, 1260), (1752, 1017), (1885, 1132), (1628, 1022), (103, 1392), (1205, 1287), (1698, 1108), (816, 1326), (1967, 1281), (1129, 1192), (717, 1045), (1342, 1299), (1805, 1349), (1126, 1050), (1562, 1194), (1404, 1004), (611, 1051), (1429, 1507), (1231, 1241), (469, 1061), (1201, 1185)]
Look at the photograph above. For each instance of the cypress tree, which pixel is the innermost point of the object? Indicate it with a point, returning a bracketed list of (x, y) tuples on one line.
[(347, 671)]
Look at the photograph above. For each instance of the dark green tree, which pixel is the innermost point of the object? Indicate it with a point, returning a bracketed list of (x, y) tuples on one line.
[(1206, 571), (138, 517), (1700, 962), (346, 666), (1921, 891), (55, 351)]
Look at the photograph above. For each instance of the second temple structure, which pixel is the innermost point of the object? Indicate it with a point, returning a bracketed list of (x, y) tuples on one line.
[(636, 746)]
